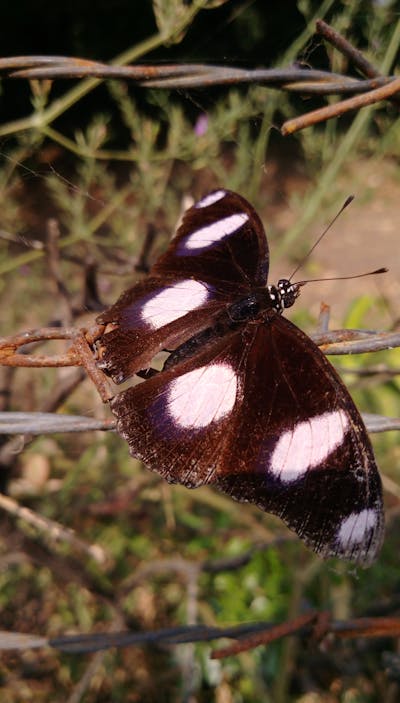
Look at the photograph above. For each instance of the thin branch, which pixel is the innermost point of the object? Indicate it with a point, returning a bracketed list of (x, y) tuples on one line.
[(356, 57), (338, 109), (79, 354), (276, 632), (356, 341), (54, 531), (177, 76)]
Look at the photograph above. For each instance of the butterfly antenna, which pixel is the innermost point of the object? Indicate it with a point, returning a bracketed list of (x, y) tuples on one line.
[(343, 278), (321, 236)]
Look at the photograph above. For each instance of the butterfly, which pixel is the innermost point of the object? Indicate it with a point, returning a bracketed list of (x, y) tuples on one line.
[(245, 402)]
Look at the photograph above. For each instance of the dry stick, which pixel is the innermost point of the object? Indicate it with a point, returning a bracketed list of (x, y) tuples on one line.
[(323, 319), (40, 334), (344, 46), (360, 345), (360, 62), (379, 423), (342, 87), (70, 358), (54, 530), (287, 628), (353, 54), (79, 354), (368, 627), (57, 396), (73, 67), (142, 264), (326, 113), (94, 667), (87, 360)]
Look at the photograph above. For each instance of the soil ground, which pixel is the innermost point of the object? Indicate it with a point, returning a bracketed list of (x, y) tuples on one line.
[(365, 237)]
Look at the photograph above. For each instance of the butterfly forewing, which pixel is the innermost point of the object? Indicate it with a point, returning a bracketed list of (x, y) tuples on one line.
[(246, 403), (219, 252), (222, 241), (155, 314)]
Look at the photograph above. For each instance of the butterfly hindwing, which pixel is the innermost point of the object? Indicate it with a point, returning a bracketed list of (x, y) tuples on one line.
[(240, 417), (313, 466)]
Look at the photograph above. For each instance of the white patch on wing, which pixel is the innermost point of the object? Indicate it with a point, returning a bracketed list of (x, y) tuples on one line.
[(307, 445), (356, 527), (205, 395), (206, 236), (211, 198), (173, 302)]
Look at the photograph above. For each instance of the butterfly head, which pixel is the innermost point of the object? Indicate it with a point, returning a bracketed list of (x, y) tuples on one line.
[(289, 292), (284, 294)]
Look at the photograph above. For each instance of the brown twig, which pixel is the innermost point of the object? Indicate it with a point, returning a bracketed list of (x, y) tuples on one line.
[(142, 264), (356, 57), (270, 635), (338, 109), (54, 531), (356, 341), (79, 354)]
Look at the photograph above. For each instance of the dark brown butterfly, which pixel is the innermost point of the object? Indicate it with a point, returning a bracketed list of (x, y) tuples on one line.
[(246, 402)]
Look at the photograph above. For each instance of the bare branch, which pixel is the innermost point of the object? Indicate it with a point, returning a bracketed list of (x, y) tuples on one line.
[(54, 531), (326, 113), (356, 341), (177, 76), (347, 49)]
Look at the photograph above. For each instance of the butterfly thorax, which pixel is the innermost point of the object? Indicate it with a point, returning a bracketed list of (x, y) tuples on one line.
[(260, 303), (261, 300)]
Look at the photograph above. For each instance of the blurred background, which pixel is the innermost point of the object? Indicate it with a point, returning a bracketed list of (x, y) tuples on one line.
[(109, 170)]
